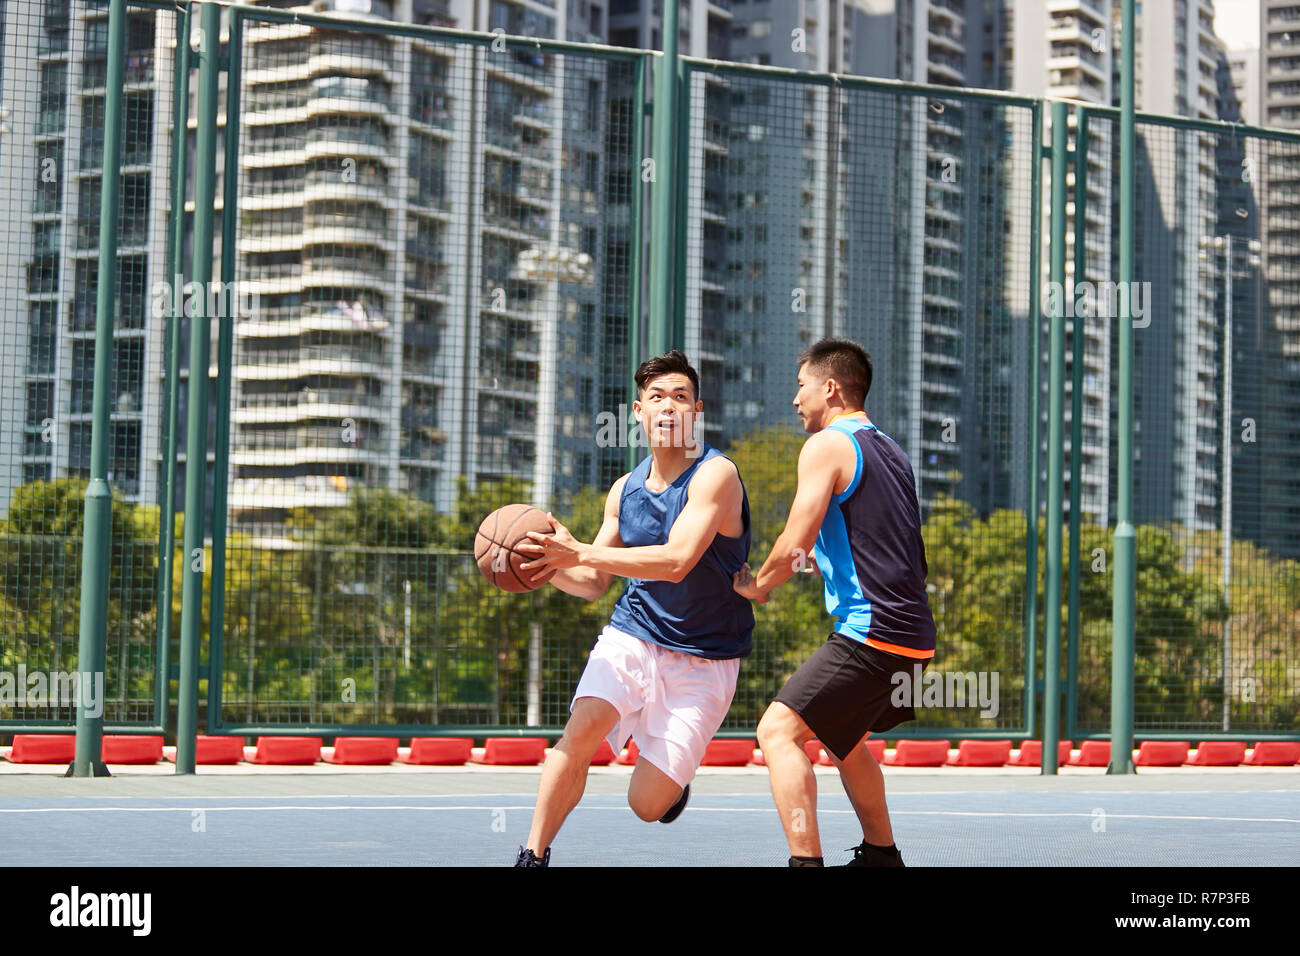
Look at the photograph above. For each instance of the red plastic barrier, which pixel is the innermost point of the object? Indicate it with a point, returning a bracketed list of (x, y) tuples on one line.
[(364, 751), (439, 751), (919, 753), (1031, 754), (981, 753), (287, 751), (728, 753), (1162, 753), (132, 749), (1092, 753), (1275, 753), (43, 748), (629, 756), (513, 751), (604, 755), (218, 750), (1219, 753)]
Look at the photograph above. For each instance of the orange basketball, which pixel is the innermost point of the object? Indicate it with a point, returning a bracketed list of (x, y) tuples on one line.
[(495, 542)]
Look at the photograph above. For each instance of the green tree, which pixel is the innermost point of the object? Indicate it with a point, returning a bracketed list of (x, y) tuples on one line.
[(794, 622), (40, 585)]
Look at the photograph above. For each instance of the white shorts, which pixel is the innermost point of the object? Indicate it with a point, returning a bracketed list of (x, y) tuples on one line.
[(670, 703)]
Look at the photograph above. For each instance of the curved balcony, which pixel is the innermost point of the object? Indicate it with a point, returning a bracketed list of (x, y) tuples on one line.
[(283, 195), (260, 68), (260, 281), (537, 77), (339, 229), (332, 59), (347, 141), (338, 99), (290, 371), (343, 272), (281, 240), (512, 142), (329, 184), (263, 157), (951, 73), (307, 491), (290, 457), (306, 405), (517, 224)]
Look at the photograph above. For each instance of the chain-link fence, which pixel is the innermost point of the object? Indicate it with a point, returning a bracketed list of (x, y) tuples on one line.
[(899, 219), (1216, 383), (54, 77), (430, 298)]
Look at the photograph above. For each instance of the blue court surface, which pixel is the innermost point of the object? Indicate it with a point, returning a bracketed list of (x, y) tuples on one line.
[(479, 816)]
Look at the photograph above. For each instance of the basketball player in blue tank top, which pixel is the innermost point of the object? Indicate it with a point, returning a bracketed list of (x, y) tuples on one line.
[(855, 506), (663, 672)]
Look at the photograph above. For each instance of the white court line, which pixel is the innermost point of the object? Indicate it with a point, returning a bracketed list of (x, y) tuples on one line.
[(403, 808), (475, 796)]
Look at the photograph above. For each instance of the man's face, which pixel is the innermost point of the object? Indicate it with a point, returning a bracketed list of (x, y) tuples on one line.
[(667, 410), (810, 400)]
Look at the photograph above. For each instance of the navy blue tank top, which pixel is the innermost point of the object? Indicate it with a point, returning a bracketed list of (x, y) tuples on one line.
[(870, 553), (701, 614)]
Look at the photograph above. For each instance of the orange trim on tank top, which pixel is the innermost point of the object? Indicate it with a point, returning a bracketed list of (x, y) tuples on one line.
[(845, 415)]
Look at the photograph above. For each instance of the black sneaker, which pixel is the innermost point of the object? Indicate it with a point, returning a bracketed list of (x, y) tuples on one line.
[(675, 811), (866, 855), (528, 858)]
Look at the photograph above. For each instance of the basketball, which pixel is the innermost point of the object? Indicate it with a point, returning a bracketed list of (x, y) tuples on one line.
[(495, 543)]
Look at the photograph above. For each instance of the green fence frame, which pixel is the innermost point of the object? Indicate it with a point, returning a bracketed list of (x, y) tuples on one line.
[(1085, 115), (666, 327), (639, 60)]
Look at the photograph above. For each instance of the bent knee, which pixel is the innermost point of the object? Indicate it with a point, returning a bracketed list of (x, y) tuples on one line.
[(645, 809), (590, 721), (780, 724), (650, 807)]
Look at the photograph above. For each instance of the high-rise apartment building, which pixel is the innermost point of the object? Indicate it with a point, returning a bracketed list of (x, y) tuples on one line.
[(404, 204), (55, 61), (1065, 50), (1280, 106), (800, 232), (399, 199), (1245, 73), (429, 260)]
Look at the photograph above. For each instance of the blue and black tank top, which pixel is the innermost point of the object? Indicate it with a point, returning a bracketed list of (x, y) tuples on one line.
[(701, 614)]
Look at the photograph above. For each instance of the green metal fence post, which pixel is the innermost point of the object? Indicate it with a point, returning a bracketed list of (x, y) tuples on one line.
[(636, 240), (681, 221), (1035, 339), (96, 552), (1124, 595), (1055, 442), (225, 350), (197, 411), (663, 194), (1076, 422), (172, 362)]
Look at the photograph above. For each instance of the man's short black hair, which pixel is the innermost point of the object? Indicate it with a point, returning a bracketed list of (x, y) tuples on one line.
[(845, 361), (667, 364)]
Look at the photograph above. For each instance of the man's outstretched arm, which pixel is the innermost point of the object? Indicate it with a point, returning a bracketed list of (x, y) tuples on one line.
[(819, 465), (714, 494), (589, 583)]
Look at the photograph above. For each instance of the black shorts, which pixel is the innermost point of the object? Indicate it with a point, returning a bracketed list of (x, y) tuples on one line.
[(843, 692)]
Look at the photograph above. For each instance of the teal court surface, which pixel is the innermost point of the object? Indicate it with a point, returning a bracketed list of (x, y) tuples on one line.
[(327, 816)]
